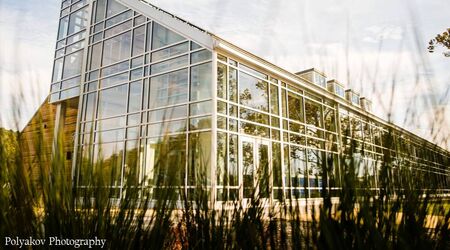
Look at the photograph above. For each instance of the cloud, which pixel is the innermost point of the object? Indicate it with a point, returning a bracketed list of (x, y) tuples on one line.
[(28, 31)]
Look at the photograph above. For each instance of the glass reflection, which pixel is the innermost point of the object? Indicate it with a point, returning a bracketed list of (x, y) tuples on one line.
[(112, 101), (163, 36), (117, 48), (201, 82), (168, 89), (72, 64), (253, 92)]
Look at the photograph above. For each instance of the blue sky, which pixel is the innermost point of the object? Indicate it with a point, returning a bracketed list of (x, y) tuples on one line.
[(366, 45)]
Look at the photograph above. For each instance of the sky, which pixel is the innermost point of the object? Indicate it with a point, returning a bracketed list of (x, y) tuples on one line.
[(376, 47)]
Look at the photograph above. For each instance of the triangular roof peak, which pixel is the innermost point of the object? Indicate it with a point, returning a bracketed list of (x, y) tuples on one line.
[(173, 22)]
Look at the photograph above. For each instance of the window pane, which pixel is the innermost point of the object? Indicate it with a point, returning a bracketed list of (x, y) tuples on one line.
[(221, 80), (313, 112), (276, 164), (254, 116), (114, 7), (298, 167), (252, 71), (115, 68), (199, 159), (295, 107), (232, 78), (273, 99), (163, 36), (70, 83), (169, 52), (110, 136), (169, 89), (112, 101), (221, 158), (168, 113), (74, 47), (57, 70), (131, 168), (200, 56), (89, 107), (139, 40), (165, 162), (233, 160), (78, 20), (68, 93), (253, 92), (100, 13), (116, 122), (119, 18), (113, 80), (117, 48), (111, 156), (96, 51), (169, 64), (135, 96), (201, 82), (329, 118), (200, 123), (166, 128), (201, 108), (63, 26), (72, 64), (118, 28)]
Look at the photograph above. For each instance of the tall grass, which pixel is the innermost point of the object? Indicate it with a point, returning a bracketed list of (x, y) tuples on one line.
[(394, 218)]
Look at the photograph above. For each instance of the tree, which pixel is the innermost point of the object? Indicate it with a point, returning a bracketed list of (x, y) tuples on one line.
[(442, 40)]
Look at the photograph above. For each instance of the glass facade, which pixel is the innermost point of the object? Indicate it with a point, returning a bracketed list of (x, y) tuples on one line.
[(70, 46), (146, 113), (311, 144), (160, 111)]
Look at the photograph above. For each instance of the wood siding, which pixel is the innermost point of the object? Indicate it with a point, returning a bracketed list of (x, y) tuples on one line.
[(36, 138)]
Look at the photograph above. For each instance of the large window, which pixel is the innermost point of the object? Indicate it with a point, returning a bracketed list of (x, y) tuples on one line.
[(117, 48), (253, 92), (139, 40), (57, 70), (313, 112), (134, 103), (112, 101), (168, 89), (72, 64), (78, 20), (63, 26), (201, 82), (297, 173), (163, 36), (199, 172), (100, 10), (110, 155), (221, 80), (295, 107), (96, 52), (114, 7), (165, 162)]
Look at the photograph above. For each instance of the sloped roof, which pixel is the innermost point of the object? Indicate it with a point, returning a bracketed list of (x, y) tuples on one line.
[(181, 26)]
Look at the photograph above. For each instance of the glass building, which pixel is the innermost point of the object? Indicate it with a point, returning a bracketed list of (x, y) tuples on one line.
[(159, 98)]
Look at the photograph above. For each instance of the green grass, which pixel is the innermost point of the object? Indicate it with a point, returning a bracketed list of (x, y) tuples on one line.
[(361, 220)]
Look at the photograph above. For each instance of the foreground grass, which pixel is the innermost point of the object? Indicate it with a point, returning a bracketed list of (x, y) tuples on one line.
[(406, 218)]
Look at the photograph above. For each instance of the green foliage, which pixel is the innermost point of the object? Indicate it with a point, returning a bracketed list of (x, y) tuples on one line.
[(9, 146)]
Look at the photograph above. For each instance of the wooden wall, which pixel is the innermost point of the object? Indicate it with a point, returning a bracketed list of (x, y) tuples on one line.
[(36, 138)]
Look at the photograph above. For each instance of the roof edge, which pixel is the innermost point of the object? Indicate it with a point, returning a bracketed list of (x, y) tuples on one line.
[(172, 22)]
